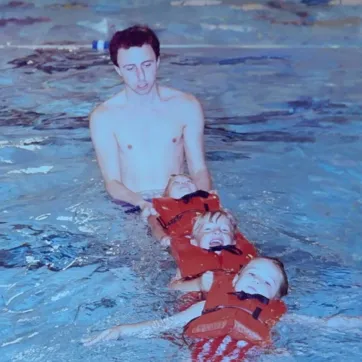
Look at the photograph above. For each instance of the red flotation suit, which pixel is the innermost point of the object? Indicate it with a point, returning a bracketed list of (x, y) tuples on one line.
[(176, 215), (241, 317), (193, 260)]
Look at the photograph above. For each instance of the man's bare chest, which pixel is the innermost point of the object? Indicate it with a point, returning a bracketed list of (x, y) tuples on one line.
[(151, 134)]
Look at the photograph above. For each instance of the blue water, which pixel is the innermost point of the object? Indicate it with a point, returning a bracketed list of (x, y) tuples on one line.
[(283, 144)]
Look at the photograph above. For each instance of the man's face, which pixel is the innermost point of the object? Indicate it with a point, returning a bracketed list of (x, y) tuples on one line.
[(138, 67)]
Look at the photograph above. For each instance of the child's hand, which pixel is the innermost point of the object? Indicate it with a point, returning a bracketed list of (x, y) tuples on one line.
[(345, 322), (165, 241), (175, 280), (107, 335), (213, 192), (206, 280), (147, 210)]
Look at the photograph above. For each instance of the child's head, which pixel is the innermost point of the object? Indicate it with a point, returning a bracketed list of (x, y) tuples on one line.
[(213, 229), (263, 275), (179, 186)]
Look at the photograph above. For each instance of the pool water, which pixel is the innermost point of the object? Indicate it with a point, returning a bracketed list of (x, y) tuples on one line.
[(283, 144)]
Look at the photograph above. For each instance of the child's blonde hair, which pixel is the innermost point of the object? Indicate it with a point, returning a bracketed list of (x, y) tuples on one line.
[(166, 193), (202, 219)]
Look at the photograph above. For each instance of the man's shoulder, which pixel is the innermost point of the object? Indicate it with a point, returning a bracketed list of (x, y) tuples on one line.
[(98, 119), (103, 112), (99, 111), (179, 97)]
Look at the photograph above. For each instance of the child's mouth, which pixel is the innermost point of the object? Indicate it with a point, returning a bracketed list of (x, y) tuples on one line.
[(216, 242), (251, 289)]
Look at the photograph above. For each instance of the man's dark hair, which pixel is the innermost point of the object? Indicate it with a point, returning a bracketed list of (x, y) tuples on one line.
[(134, 36)]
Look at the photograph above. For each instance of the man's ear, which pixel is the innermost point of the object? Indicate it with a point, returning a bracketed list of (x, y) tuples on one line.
[(118, 70)]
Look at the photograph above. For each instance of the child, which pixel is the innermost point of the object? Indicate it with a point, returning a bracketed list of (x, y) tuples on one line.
[(241, 282), (177, 208), (242, 307), (261, 276), (215, 244), (262, 280)]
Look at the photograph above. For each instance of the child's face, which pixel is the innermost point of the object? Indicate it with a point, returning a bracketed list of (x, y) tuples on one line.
[(259, 276), (181, 186), (215, 233)]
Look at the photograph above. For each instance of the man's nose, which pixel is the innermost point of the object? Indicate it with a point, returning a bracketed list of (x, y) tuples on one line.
[(140, 73)]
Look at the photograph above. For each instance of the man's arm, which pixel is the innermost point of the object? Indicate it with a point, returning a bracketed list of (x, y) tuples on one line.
[(194, 143), (106, 149)]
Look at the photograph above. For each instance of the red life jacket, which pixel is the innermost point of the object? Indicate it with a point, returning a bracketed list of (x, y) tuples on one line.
[(176, 215), (193, 260), (249, 319)]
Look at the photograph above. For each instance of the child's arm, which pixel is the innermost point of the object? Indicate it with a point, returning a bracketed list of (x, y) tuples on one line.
[(201, 283), (336, 321), (149, 328), (158, 232), (177, 283), (191, 285)]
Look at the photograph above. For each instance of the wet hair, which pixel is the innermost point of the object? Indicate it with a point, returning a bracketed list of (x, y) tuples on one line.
[(284, 286), (134, 36), (202, 219), (166, 193)]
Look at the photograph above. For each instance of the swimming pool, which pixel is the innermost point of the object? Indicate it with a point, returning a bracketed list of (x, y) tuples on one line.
[(283, 142), (283, 145)]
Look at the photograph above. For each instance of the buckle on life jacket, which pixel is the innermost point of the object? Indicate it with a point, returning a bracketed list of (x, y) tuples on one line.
[(199, 193), (256, 313), (230, 248), (243, 296)]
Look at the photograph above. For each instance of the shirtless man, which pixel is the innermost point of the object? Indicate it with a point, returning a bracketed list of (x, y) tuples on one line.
[(142, 134)]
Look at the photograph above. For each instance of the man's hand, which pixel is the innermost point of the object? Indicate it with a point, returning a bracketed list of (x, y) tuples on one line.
[(107, 335), (147, 210)]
